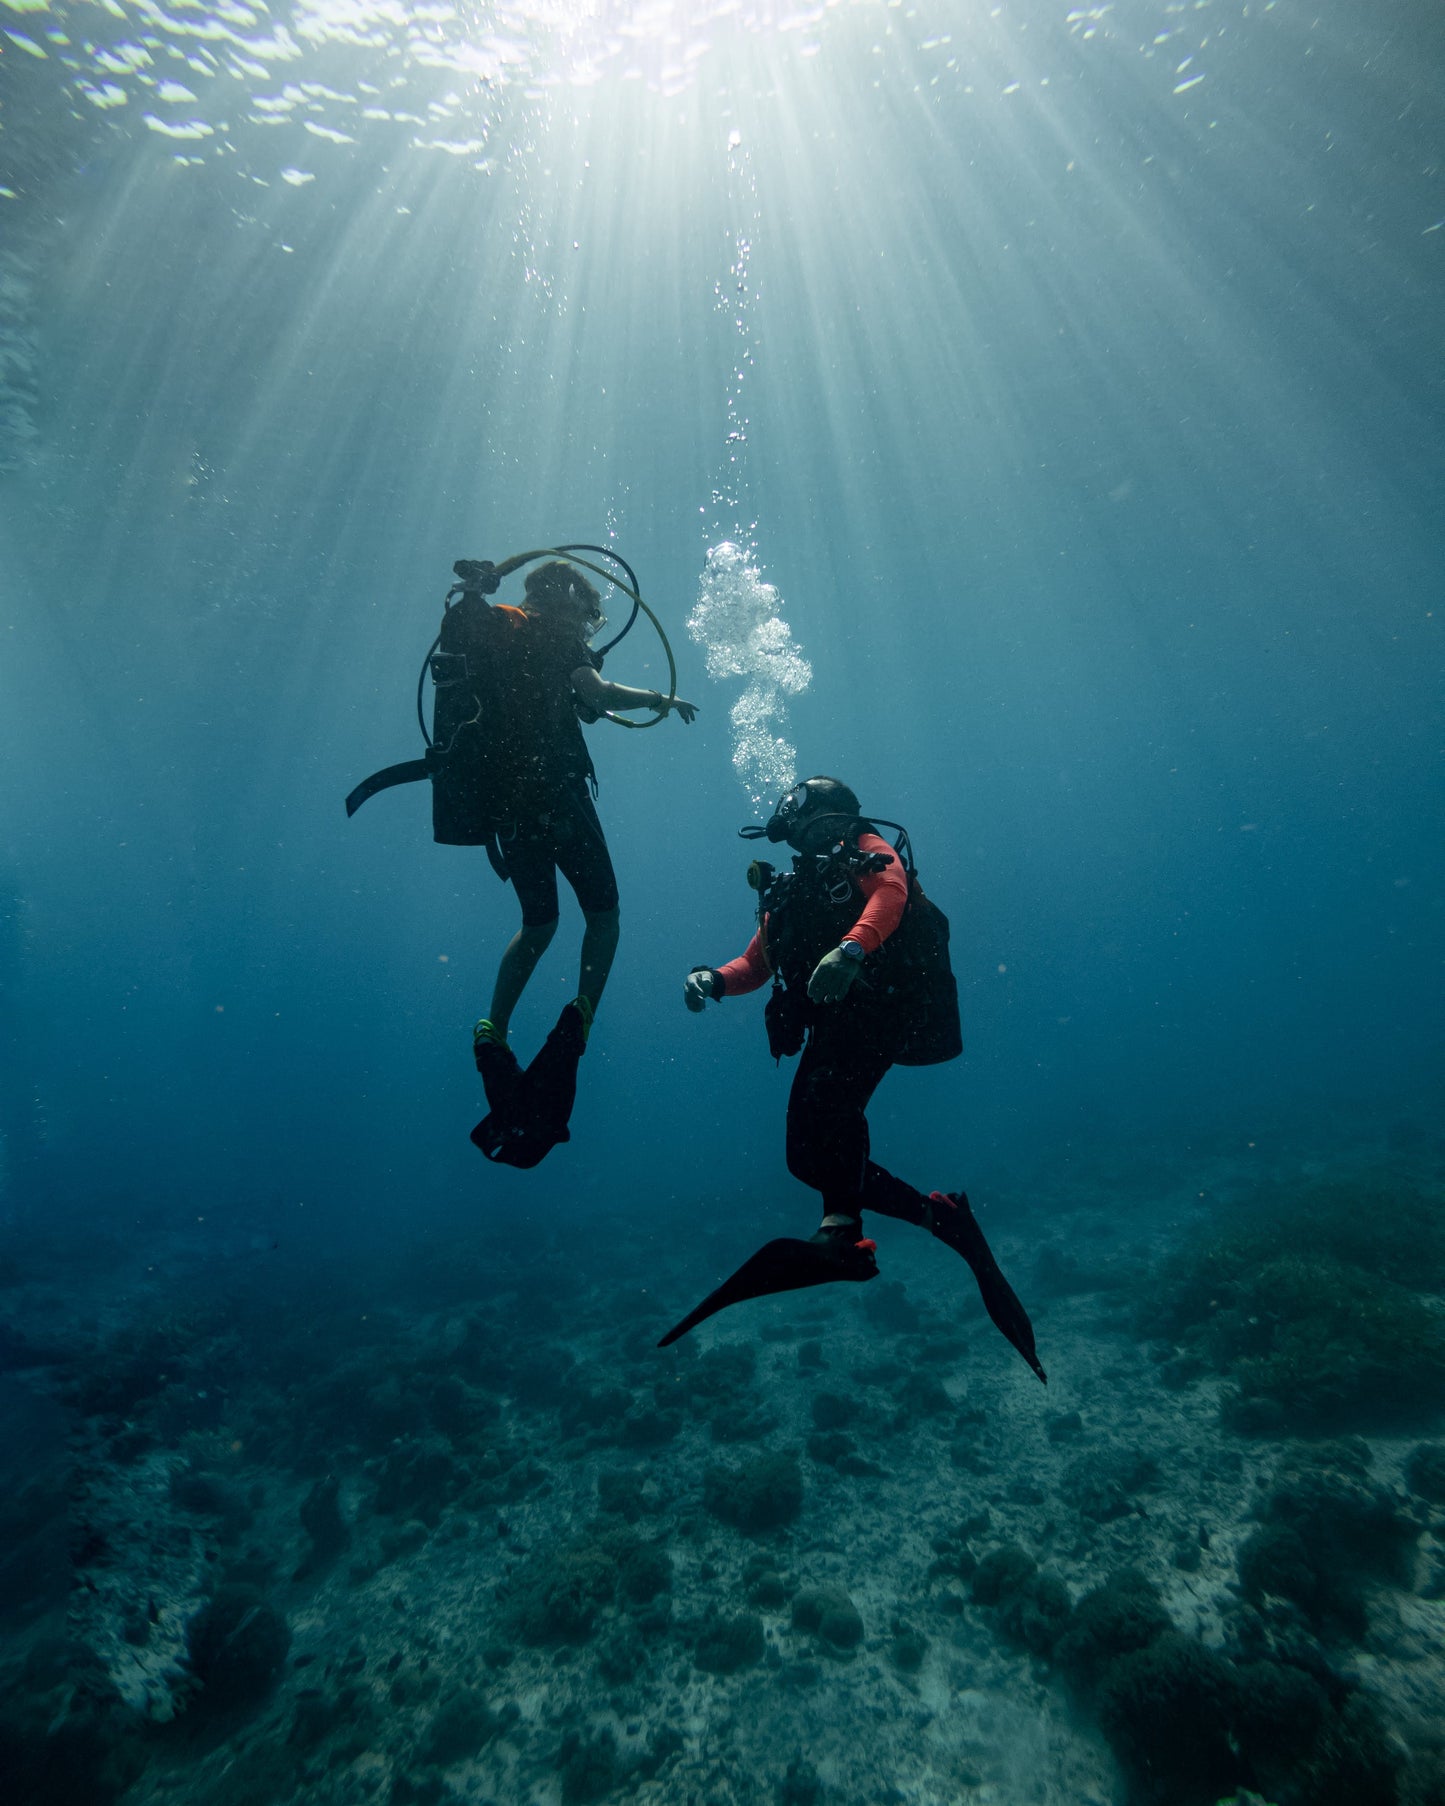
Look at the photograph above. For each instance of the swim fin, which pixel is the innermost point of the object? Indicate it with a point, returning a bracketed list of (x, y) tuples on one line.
[(952, 1221), (530, 1110), (785, 1265)]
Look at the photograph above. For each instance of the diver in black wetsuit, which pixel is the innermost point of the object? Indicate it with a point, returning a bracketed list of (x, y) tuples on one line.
[(519, 779), (858, 957), (509, 771)]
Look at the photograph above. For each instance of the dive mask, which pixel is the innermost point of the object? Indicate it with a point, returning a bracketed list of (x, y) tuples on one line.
[(813, 836), (780, 824)]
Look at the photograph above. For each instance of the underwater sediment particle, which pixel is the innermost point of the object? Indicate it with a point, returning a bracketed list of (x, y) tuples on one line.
[(828, 1612), (236, 1644), (762, 1494), (727, 1643)]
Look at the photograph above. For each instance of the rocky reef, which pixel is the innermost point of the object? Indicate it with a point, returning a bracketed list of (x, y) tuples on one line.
[(471, 1537)]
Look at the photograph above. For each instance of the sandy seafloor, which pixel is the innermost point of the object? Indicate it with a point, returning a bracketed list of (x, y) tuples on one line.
[(181, 1415)]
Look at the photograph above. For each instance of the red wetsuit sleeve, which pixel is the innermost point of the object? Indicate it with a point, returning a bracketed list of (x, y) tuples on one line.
[(748, 972), (885, 897)]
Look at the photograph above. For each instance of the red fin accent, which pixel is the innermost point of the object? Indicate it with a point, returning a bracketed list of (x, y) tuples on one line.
[(868, 1244), (942, 1197)]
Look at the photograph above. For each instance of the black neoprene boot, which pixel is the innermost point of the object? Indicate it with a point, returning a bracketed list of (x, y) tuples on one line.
[(839, 1231)]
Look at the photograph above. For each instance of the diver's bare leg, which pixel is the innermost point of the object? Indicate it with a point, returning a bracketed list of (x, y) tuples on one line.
[(599, 949), (519, 962)]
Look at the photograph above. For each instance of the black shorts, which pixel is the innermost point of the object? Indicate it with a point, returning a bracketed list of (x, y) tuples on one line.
[(570, 841)]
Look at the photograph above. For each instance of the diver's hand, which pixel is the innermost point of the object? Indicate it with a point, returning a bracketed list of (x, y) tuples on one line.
[(833, 977), (688, 710), (698, 986)]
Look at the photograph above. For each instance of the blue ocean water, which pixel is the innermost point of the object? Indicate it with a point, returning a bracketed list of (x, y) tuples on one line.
[(1073, 377)]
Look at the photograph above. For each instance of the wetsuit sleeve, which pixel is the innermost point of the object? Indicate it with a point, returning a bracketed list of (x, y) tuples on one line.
[(885, 897), (585, 710), (748, 972)]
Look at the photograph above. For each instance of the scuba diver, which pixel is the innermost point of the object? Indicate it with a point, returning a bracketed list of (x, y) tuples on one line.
[(510, 772), (858, 958)]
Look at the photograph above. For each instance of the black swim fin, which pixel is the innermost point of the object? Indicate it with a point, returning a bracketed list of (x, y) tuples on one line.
[(953, 1222), (530, 1110), (783, 1266)]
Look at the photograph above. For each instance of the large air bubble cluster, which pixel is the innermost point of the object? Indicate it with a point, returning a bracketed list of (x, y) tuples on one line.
[(738, 623)]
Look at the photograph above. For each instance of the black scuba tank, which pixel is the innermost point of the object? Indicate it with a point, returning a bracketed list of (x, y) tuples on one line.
[(463, 806), (935, 1033)]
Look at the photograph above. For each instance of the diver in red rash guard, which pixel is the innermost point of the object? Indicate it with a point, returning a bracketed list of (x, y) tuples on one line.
[(858, 959)]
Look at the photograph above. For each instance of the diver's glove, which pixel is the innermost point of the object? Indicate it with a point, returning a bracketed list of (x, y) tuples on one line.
[(700, 984), (835, 974)]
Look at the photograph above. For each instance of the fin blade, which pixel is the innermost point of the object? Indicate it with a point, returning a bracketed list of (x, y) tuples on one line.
[(784, 1265)]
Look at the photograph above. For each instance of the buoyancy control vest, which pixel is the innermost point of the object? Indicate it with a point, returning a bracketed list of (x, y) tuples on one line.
[(506, 743), (804, 912), (506, 740), (486, 778)]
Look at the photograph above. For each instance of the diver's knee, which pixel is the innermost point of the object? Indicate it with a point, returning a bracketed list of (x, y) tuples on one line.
[(536, 937), (803, 1161), (604, 921)]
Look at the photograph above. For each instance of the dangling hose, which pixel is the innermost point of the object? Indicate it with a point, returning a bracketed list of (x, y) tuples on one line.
[(506, 568), (508, 565)]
